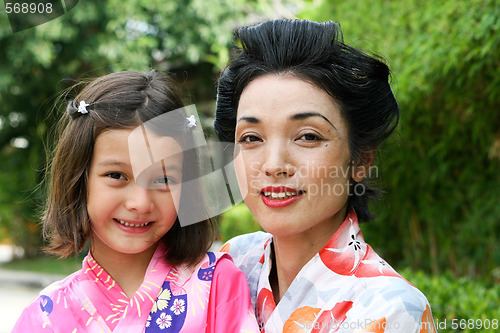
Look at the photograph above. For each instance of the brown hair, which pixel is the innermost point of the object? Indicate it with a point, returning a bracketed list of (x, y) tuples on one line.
[(115, 101)]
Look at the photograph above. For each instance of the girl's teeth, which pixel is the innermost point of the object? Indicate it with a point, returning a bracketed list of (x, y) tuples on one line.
[(132, 225)]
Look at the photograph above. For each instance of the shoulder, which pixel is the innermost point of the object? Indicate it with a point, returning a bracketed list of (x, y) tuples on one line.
[(226, 270), (227, 281), (248, 252), (37, 312), (61, 284), (247, 246), (379, 295), (230, 308), (390, 300), (57, 289)]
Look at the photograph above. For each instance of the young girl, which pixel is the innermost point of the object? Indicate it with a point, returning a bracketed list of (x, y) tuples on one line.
[(125, 150)]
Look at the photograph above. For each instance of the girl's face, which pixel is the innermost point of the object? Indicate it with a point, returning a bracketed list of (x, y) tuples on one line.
[(293, 156), (127, 217)]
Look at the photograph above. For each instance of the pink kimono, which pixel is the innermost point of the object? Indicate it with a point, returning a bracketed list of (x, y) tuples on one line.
[(211, 297), (345, 287)]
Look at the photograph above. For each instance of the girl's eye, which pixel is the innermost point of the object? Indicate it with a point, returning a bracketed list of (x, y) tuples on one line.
[(310, 137), (249, 139), (165, 180), (116, 175)]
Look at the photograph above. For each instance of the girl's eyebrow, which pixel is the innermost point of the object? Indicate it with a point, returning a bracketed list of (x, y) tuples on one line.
[(304, 115), (112, 162), (171, 167)]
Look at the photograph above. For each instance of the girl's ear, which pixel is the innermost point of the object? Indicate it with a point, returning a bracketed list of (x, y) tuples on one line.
[(361, 167)]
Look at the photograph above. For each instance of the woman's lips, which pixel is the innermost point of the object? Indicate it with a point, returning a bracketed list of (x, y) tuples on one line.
[(280, 196)]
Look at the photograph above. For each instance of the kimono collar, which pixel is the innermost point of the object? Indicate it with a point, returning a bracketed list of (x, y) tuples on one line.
[(346, 249), (98, 273), (344, 252)]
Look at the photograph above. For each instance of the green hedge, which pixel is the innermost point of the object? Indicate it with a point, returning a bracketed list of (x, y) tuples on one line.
[(237, 221), (441, 170), (459, 302)]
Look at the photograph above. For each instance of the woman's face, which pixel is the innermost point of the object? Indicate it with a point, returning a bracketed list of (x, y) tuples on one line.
[(292, 156)]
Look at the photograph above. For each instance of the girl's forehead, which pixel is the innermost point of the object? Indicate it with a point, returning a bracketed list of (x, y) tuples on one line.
[(147, 148), (140, 146)]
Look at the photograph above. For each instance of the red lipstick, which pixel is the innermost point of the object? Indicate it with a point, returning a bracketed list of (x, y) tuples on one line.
[(286, 196)]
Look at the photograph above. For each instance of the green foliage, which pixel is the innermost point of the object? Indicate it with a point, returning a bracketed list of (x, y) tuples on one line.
[(49, 265), (237, 221), (457, 301), (441, 169), (190, 38)]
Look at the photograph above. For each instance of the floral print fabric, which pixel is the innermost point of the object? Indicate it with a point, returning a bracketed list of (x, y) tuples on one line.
[(171, 299), (345, 287)]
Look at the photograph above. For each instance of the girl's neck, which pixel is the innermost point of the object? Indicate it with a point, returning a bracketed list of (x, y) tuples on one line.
[(291, 254), (128, 270)]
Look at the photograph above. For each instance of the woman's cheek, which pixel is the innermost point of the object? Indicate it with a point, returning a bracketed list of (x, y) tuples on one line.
[(241, 174)]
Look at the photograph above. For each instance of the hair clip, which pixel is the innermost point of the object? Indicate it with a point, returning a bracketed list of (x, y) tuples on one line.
[(82, 108), (74, 110), (191, 121)]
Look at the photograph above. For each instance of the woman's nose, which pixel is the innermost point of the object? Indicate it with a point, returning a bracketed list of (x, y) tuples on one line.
[(277, 161), (139, 200)]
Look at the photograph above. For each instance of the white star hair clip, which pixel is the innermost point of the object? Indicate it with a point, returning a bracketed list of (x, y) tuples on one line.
[(191, 121), (82, 108)]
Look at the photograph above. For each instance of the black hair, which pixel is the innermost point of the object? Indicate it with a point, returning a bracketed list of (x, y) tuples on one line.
[(315, 52)]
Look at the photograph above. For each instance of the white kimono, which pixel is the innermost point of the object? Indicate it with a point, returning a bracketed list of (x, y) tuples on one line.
[(345, 287)]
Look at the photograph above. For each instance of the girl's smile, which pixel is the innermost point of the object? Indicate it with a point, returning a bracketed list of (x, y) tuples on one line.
[(134, 226)]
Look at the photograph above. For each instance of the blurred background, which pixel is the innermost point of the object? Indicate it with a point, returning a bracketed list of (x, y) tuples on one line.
[(438, 223)]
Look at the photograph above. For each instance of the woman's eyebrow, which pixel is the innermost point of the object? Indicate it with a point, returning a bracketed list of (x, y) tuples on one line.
[(251, 120), (304, 115)]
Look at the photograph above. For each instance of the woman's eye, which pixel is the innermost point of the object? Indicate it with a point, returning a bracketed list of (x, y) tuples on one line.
[(310, 137), (249, 139), (115, 175)]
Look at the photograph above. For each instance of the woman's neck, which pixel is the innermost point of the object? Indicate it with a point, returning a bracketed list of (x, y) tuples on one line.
[(291, 254), (128, 270)]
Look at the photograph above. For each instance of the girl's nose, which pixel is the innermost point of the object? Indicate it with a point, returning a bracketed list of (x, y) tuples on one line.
[(139, 200), (277, 161)]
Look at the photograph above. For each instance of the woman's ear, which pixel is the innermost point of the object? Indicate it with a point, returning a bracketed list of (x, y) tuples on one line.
[(361, 167)]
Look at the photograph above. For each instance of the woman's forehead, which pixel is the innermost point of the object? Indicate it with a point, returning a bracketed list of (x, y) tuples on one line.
[(285, 97)]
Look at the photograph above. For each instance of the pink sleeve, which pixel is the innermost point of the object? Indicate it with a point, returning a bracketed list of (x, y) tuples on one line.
[(230, 308), (30, 320)]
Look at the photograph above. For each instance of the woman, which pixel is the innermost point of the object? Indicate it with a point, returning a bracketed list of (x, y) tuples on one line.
[(307, 114)]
